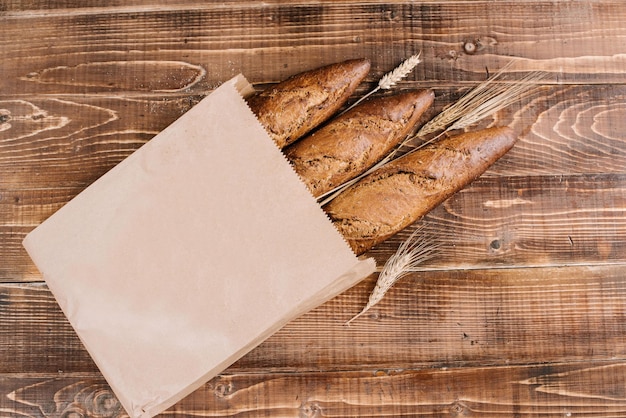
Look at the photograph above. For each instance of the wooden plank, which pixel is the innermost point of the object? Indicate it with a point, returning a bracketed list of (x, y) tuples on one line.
[(495, 222), (68, 6), (49, 142), (581, 389), (196, 48), (559, 390), (464, 318)]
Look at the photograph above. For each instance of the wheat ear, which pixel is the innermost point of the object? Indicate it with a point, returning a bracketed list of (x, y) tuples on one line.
[(484, 100), (416, 249), (392, 78)]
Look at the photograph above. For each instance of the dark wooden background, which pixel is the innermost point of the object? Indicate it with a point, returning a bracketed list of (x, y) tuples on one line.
[(523, 311)]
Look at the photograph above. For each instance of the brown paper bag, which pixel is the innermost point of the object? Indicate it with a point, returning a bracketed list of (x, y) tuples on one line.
[(190, 253)]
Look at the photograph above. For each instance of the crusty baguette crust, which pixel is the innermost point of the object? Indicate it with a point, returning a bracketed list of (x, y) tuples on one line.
[(351, 143), (292, 108), (403, 191)]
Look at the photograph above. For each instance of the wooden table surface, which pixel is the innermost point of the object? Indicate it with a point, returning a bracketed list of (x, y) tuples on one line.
[(522, 312)]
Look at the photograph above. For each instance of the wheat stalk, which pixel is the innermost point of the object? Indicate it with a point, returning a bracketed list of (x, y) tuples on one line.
[(416, 249), (392, 78)]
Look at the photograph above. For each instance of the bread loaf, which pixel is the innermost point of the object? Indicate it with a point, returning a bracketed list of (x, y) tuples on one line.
[(404, 190), (295, 106), (353, 142)]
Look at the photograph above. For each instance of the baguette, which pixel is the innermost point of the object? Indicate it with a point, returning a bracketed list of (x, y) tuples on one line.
[(353, 142), (293, 107), (404, 190)]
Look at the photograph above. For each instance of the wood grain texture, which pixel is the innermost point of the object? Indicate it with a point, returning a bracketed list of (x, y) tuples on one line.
[(522, 311), (430, 319), (556, 390), (497, 221), (565, 39), (531, 221), (52, 142), (563, 130)]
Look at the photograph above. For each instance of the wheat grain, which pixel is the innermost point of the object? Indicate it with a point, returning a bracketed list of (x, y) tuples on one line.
[(392, 78), (415, 250)]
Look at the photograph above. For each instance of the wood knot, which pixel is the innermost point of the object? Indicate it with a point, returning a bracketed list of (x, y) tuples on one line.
[(458, 408), (223, 390), (495, 245), (104, 403), (310, 410), (470, 48), (476, 45), (5, 116)]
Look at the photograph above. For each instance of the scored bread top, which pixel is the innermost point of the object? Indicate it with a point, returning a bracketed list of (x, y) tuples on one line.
[(292, 108), (353, 142), (404, 190)]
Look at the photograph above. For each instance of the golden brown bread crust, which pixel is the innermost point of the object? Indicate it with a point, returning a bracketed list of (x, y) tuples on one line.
[(295, 106), (353, 142), (406, 189)]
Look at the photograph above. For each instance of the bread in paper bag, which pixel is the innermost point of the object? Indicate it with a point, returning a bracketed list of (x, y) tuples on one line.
[(189, 253)]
